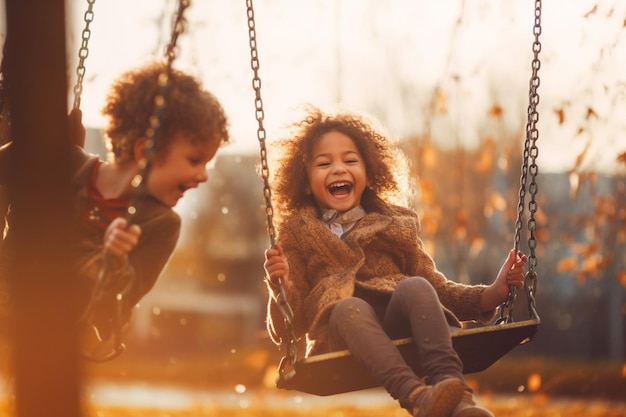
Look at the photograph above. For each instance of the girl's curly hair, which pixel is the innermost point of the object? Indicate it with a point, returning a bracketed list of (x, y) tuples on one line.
[(385, 164), (189, 110)]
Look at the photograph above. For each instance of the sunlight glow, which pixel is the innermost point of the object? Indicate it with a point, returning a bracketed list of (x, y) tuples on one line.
[(388, 59)]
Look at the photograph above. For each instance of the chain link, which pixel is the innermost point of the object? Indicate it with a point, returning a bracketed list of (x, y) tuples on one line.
[(179, 26), (286, 366), (530, 280), (529, 169), (83, 53), (260, 116)]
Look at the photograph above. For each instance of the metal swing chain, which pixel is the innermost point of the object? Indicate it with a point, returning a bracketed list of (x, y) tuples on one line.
[(140, 180), (530, 280), (139, 183), (281, 299), (178, 27), (83, 53), (529, 168)]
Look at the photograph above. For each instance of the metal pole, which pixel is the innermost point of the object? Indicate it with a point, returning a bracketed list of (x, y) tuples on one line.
[(44, 335)]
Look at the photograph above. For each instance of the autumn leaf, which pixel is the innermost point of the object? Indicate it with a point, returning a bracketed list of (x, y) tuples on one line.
[(486, 156), (593, 10), (591, 113), (594, 264), (581, 156), (534, 382), (574, 184), (567, 264), (560, 114), (605, 208), (495, 111), (585, 249), (485, 162), (497, 202)]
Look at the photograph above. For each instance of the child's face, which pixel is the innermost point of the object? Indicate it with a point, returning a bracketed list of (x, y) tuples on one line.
[(181, 168), (336, 172)]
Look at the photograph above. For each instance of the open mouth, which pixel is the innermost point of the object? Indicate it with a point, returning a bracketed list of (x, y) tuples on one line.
[(183, 188), (340, 189)]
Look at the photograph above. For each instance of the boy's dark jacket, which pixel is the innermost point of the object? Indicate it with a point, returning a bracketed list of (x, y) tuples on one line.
[(160, 228)]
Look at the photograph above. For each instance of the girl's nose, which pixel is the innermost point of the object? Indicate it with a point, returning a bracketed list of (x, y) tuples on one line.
[(203, 174), (338, 168)]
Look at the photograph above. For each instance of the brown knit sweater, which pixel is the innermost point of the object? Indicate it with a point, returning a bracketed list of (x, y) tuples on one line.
[(380, 250)]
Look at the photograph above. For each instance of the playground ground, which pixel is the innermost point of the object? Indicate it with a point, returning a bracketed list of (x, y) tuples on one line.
[(240, 384)]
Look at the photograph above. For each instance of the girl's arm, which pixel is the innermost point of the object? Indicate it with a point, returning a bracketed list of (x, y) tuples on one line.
[(291, 270), (511, 273)]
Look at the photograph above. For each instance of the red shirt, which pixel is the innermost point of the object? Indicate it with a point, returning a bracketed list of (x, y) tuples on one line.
[(99, 212)]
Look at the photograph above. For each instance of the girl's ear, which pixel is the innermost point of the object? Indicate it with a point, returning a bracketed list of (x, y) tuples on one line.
[(140, 150)]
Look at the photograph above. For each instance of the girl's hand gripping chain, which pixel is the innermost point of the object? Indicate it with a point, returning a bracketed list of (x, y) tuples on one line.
[(511, 273), (276, 269)]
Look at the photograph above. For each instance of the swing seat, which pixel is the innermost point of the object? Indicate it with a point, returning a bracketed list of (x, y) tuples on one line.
[(339, 372)]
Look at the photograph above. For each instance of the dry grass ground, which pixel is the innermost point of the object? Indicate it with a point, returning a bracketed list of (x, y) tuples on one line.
[(516, 386), (513, 374), (560, 409), (523, 406)]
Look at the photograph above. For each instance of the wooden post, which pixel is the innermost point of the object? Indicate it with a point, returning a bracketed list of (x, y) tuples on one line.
[(45, 360)]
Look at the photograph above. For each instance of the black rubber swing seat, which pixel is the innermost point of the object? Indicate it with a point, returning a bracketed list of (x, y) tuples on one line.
[(339, 372)]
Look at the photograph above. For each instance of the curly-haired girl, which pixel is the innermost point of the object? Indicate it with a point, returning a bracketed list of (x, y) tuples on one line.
[(355, 270)]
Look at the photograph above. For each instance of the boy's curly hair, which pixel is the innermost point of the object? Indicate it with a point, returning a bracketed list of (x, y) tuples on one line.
[(385, 164), (189, 110)]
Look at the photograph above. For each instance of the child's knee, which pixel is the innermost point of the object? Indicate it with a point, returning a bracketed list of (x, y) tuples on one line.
[(349, 309), (419, 284)]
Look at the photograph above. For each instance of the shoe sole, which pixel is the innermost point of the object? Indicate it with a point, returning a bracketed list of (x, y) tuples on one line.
[(448, 394)]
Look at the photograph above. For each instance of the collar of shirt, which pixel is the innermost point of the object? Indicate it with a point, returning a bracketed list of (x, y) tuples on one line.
[(340, 222)]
